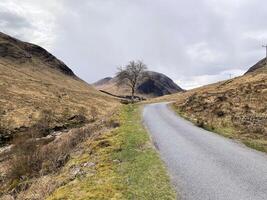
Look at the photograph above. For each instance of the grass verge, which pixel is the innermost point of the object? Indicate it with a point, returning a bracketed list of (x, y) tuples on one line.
[(227, 130), (121, 164)]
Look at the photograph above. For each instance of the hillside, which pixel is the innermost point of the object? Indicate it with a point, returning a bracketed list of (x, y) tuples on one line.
[(260, 66), (62, 139), (155, 85), (46, 111), (235, 108), (34, 82)]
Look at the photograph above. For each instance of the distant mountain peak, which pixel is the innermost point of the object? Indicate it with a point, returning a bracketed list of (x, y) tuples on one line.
[(102, 81), (155, 84)]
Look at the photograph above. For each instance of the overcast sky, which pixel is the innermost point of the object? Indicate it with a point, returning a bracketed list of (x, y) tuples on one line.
[(194, 42)]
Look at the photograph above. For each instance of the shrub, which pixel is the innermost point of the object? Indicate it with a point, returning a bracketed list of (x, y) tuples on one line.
[(246, 108), (220, 113), (26, 160), (112, 123), (259, 130), (222, 98), (200, 123), (94, 113), (32, 157), (5, 136)]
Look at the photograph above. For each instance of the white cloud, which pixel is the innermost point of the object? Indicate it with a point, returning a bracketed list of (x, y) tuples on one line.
[(258, 35), (38, 20), (201, 52), (191, 41), (196, 81)]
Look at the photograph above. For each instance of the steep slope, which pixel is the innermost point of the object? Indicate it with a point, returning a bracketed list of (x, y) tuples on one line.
[(46, 112), (34, 84), (236, 108), (18, 52), (260, 66), (155, 85)]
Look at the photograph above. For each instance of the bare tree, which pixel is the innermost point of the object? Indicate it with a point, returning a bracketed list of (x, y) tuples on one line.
[(131, 75)]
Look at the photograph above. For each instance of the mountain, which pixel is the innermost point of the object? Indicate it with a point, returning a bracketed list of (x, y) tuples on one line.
[(102, 81), (260, 66), (154, 85), (18, 52), (34, 82)]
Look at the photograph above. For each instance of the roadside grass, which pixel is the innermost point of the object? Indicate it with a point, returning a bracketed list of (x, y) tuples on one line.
[(125, 165), (227, 130), (259, 145)]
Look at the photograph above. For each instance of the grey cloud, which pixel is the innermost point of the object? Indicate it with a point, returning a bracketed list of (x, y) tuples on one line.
[(181, 38), (14, 24), (13, 21)]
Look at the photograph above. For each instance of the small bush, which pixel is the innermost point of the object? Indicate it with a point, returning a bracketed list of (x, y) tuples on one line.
[(220, 113), (94, 113), (222, 98), (43, 125), (200, 123), (246, 108), (112, 123), (32, 157), (26, 160), (259, 130), (5, 136)]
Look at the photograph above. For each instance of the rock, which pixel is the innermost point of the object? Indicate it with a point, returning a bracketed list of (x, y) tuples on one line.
[(77, 171), (89, 164)]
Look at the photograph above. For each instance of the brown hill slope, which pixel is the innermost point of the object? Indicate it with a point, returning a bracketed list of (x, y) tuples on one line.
[(34, 84), (236, 108), (155, 85), (260, 66)]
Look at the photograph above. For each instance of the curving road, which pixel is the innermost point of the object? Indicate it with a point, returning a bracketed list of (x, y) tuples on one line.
[(203, 165)]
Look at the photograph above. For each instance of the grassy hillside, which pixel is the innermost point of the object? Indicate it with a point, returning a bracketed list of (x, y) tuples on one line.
[(33, 84), (26, 92), (235, 108), (46, 111), (62, 139)]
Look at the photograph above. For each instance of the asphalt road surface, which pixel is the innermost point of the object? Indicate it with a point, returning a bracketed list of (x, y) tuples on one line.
[(204, 165)]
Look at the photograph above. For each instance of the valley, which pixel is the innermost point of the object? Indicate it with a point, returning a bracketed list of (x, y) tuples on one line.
[(62, 138)]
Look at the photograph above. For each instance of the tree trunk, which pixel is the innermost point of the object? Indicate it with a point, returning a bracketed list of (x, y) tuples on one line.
[(132, 98)]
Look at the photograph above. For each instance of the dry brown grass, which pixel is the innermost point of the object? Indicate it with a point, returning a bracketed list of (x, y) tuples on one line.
[(27, 90), (235, 108), (39, 95), (32, 160)]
